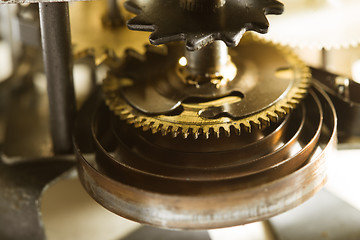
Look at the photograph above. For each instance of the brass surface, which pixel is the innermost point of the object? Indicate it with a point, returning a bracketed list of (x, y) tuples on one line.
[(91, 37), (259, 107)]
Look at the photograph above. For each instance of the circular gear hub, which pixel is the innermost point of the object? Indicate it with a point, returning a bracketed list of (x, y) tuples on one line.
[(270, 81)]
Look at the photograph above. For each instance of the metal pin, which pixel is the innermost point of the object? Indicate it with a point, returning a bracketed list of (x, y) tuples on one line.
[(56, 43)]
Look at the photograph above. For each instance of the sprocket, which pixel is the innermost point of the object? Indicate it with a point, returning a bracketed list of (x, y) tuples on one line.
[(170, 22)]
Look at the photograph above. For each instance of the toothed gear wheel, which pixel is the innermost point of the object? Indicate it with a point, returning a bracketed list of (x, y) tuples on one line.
[(272, 82), (107, 41), (199, 24)]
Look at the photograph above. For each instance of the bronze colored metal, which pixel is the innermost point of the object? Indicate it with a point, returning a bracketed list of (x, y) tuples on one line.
[(248, 178), (91, 37), (227, 22), (270, 81)]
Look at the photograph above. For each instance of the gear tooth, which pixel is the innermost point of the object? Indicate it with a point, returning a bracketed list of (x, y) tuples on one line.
[(130, 119), (124, 115), (165, 129), (174, 134), (232, 39), (302, 91), (205, 132), (133, 55), (125, 112), (298, 96), (236, 129), (118, 108), (211, 131), (255, 124), (140, 23), (160, 127), (246, 126), (186, 132), (177, 129), (207, 135), (157, 37), (307, 75), (146, 125), (185, 135), (280, 112), (227, 130), (216, 130), (303, 88), (274, 7), (293, 102), (217, 134), (137, 122), (288, 108), (198, 132), (265, 121), (103, 56), (154, 130), (154, 127)]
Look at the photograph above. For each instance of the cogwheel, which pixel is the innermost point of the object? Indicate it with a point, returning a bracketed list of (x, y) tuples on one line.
[(189, 15), (189, 120), (92, 39)]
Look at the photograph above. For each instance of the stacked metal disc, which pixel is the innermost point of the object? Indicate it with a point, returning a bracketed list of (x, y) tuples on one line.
[(201, 184)]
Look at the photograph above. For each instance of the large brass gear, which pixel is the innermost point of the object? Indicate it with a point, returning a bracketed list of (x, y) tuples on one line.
[(189, 121)]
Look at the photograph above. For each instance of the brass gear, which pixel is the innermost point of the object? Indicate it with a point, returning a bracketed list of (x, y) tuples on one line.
[(92, 39), (189, 122)]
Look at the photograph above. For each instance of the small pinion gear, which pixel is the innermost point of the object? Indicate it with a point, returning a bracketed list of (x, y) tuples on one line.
[(276, 86), (197, 24)]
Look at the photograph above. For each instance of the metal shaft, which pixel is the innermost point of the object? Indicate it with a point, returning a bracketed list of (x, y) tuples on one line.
[(208, 60), (56, 43)]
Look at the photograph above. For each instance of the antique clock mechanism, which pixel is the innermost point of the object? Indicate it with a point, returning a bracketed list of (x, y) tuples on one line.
[(213, 124), (202, 133)]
